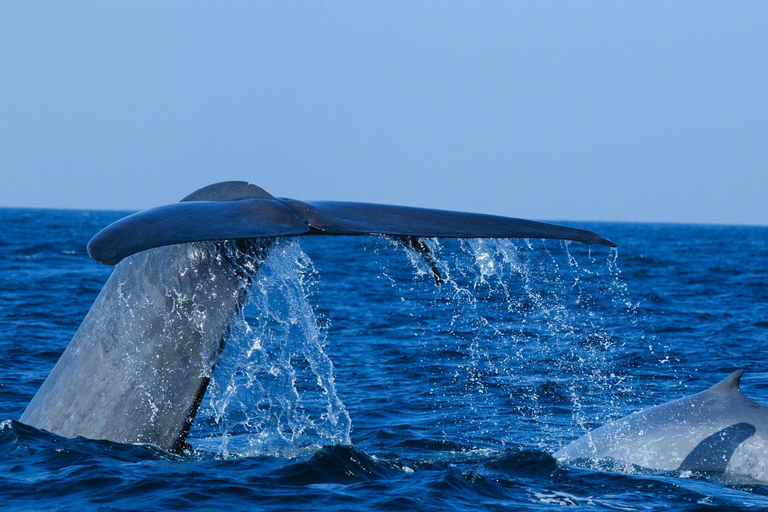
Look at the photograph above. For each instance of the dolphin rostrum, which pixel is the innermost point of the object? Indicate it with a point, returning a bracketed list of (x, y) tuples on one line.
[(715, 430), (138, 366)]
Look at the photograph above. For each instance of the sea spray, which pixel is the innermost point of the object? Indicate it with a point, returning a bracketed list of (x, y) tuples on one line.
[(273, 391), (517, 328), (528, 334)]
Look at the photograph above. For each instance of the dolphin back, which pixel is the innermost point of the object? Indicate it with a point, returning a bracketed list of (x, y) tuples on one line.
[(714, 430)]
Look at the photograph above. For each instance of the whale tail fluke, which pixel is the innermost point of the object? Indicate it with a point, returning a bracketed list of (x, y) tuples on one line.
[(239, 210)]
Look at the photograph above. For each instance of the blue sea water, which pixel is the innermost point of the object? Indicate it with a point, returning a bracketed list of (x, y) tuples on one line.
[(352, 381)]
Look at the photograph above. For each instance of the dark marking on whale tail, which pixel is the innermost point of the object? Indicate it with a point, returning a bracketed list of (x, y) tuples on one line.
[(417, 244), (239, 210), (715, 452)]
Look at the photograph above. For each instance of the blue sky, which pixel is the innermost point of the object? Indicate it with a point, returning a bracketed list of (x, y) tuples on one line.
[(617, 111)]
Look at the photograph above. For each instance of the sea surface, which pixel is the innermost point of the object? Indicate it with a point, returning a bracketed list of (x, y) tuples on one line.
[(353, 381)]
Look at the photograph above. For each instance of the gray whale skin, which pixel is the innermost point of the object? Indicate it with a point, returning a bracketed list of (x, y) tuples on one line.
[(715, 430), (138, 366)]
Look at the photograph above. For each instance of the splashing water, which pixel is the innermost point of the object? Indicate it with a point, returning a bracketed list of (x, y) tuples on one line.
[(525, 324), (518, 330), (273, 392)]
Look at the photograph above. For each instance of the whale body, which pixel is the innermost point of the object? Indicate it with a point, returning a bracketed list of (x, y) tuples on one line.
[(715, 430), (138, 366)]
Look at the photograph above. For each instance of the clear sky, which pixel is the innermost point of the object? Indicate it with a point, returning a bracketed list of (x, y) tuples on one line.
[(628, 111)]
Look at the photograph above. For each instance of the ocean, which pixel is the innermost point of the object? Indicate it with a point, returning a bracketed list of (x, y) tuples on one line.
[(353, 381)]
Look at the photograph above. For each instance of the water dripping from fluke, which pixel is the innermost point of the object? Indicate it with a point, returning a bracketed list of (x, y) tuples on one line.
[(510, 329), (273, 391), (522, 333)]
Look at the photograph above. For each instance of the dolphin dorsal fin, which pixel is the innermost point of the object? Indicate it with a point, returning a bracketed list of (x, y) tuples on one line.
[(730, 383)]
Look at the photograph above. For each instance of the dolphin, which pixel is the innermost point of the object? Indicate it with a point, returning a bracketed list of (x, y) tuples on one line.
[(138, 366), (716, 430)]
